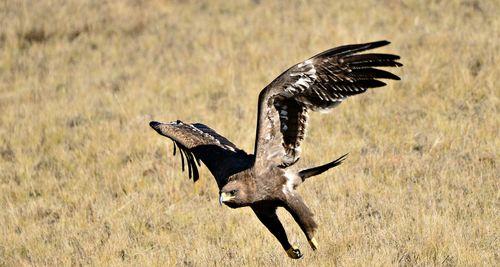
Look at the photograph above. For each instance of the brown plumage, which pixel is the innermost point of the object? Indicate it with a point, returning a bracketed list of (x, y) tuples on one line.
[(267, 179)]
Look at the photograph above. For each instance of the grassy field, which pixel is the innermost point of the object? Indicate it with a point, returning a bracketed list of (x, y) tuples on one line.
[(85, 181)]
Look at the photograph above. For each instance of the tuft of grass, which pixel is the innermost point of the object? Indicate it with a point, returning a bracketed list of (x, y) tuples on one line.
[(83, 180)]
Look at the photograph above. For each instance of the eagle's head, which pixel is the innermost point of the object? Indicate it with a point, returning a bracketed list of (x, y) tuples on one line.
[(235, 194)]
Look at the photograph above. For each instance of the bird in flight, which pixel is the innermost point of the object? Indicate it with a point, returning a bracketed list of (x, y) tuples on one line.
[(267, 179)]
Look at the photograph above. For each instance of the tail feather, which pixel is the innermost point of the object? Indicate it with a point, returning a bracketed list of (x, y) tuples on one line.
[(304, 174)]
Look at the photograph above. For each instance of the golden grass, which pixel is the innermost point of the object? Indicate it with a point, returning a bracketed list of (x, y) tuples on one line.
[(84, 180)]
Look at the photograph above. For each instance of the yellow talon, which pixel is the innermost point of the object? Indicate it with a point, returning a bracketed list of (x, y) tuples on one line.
[(313, 243), (294, 253)]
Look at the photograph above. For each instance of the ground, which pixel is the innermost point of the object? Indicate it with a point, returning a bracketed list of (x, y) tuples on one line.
[(84, 180)]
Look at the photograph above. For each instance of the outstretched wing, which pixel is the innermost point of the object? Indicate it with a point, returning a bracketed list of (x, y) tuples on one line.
[(319, 83), (199, 142)]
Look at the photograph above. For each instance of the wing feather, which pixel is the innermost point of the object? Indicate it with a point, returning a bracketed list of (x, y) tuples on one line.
[(199, 143), (320, 83), (182, 160)]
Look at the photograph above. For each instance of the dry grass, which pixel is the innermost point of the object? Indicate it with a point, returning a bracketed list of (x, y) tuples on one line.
[(83, 180)]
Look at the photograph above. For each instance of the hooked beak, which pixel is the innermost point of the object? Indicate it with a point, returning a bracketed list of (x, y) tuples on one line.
[(225, 197)]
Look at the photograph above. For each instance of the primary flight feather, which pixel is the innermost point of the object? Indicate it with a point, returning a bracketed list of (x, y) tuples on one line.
[(267, 179)]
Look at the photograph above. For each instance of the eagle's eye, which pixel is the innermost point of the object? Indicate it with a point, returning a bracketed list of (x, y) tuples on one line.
[(233, 192)]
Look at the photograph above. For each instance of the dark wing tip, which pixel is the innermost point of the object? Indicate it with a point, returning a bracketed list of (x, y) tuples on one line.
[(154, 124), (350, 49), (377, 44)]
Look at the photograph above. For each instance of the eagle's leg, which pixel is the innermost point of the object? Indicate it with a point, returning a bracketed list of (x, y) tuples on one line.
[(267, 215), (303, 216)]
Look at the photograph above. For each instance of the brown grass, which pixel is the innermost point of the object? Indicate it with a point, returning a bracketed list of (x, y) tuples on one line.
[(84, 180)]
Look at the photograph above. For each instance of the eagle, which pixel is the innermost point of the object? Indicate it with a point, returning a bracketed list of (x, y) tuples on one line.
[(268, 178)]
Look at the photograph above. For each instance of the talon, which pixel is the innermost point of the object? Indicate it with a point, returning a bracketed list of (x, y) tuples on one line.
[(294, 253), (313, 243)]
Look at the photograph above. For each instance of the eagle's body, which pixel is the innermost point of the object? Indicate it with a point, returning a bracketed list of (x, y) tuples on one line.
[(268, 178)]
